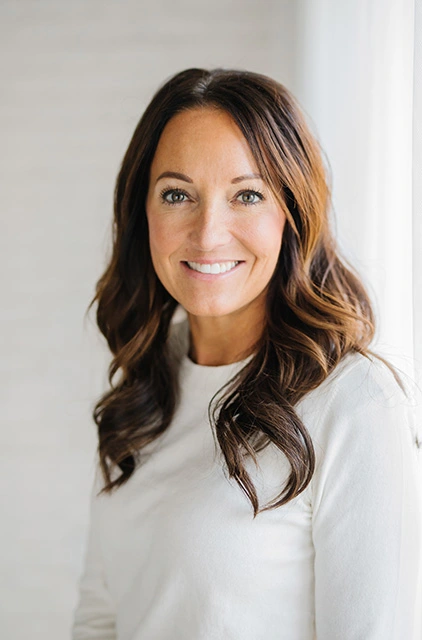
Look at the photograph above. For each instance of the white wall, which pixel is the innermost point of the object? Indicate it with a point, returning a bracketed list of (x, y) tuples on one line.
[(76, 77)]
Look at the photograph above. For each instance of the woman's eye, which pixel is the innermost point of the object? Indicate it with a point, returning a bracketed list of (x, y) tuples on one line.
[(250, 197), (173, 196), (178, 196)]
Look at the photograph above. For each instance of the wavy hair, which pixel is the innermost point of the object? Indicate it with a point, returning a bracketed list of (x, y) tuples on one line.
[(317, 309)]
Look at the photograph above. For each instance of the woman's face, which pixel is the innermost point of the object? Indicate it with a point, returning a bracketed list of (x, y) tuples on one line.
[(215, 228)]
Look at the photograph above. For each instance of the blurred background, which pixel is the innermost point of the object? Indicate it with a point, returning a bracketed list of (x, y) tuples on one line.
[(76, 77)]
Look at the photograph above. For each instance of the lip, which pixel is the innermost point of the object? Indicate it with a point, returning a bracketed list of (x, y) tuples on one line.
[(197, 275), (199, 261)]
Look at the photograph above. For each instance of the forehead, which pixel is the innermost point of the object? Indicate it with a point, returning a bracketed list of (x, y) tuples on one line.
[(197, 136)]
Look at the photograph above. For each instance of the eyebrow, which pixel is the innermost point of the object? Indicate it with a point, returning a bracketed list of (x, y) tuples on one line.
[(185, 178), (248, 176)]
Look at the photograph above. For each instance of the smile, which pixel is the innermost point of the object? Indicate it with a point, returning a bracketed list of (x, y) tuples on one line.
[(216, 267)]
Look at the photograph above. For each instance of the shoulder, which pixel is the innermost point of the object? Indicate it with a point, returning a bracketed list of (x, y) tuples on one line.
[(355, 382), (359, 400), (365, 431)]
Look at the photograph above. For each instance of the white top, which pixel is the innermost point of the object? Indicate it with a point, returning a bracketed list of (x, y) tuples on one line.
[(175, 554)]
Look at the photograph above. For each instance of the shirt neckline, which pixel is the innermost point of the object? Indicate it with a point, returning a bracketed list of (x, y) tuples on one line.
[(216, 370)]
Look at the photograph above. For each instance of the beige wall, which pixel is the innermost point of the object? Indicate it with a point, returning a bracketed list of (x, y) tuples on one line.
[(75, 79)]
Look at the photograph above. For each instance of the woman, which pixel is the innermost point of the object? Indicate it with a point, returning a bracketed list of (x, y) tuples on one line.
[(257, 462)]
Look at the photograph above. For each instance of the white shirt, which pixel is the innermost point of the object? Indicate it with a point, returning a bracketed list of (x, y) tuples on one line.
[(175, 554)]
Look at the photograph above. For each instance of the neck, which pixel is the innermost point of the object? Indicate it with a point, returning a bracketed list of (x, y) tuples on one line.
[(222, 340)]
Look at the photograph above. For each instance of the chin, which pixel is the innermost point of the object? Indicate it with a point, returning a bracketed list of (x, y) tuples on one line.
[(209, 310)]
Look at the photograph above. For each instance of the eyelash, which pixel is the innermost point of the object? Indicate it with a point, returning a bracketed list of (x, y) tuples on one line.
[(168, 190)]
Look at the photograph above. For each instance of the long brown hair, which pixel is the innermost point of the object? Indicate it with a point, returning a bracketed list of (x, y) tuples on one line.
[(317, 309)]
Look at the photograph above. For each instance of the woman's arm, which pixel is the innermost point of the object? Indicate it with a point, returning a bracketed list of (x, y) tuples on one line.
[(94, 617), (367, 513)]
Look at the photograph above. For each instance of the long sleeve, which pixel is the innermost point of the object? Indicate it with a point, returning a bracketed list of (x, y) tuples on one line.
[(94, 617), (367, 528)]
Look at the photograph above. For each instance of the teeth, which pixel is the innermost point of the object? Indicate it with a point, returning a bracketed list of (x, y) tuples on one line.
[(217, 267)]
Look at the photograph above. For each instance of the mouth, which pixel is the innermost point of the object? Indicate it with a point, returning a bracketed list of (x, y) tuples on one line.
[(214, 267)]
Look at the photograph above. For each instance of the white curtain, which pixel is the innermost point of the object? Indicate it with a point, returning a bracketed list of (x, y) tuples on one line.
[(417, 189), (358, 78)]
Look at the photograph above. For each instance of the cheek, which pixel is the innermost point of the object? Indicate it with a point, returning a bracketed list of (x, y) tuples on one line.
[(266, 236), (161, 238)]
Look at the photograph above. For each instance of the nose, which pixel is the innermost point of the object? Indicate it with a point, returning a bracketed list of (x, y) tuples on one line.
[(210, 227)]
